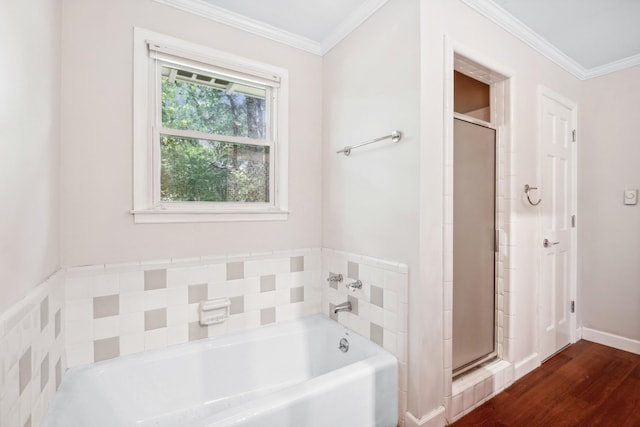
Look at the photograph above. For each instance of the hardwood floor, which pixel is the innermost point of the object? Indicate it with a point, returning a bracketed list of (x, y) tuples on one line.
[(585, 385)]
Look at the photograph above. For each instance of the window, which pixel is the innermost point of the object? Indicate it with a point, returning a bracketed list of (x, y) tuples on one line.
[(209, 134)]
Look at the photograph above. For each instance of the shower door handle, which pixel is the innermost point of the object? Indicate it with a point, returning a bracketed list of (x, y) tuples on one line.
[(547, 244)]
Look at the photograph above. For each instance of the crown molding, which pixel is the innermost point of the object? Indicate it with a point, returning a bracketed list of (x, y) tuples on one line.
[(352, 22), (614, 66), (486, 8), (224, 16), (236, 20), (499, 16), (502, 18)]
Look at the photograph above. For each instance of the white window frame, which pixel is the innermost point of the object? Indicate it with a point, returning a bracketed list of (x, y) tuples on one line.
[(150, 48)]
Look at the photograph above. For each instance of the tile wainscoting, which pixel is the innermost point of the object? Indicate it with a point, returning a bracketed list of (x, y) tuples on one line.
[(32, 356), (87, 314), (120, 309), (379, 308)]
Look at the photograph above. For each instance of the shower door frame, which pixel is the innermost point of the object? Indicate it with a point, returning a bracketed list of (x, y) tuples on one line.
[(493, 354)]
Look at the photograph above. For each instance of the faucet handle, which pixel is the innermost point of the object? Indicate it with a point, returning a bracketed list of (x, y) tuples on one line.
[(354, 285), (334, 278)]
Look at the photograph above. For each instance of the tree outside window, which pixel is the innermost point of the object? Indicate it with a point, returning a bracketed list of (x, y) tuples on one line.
[(203, 165)]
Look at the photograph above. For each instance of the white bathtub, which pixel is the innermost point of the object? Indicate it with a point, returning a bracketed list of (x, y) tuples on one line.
[(290, 374)]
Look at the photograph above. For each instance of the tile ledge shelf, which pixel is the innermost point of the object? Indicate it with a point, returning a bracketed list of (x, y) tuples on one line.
[(84, 270), (370, 261)]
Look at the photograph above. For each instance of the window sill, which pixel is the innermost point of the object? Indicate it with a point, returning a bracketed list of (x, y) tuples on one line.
[(152, 216)]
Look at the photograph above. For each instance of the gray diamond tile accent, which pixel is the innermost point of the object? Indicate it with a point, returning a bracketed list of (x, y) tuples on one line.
[(105, 306), (353, 270), (235, 270), (376, 334), (267, 315), (155, 319), (296, 294), (297, 263), (105, 349), (155, 279)]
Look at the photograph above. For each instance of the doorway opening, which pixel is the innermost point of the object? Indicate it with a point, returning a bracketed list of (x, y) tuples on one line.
[(474, 225)]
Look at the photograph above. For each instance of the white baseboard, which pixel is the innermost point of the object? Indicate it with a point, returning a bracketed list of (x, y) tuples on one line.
[(526, 365), (579, 333), (611, 340), (435, 418)]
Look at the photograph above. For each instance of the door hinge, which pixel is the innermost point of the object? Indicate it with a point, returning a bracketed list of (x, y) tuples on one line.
[(573, 306), (573, 135), (573, 221)]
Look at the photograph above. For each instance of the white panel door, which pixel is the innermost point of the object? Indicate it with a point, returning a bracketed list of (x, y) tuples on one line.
[(557, 192)]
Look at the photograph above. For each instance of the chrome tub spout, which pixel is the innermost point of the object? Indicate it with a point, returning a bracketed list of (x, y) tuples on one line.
[(345, 306)]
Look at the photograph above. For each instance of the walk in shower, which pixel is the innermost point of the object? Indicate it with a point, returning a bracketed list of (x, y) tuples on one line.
[(474, 228)]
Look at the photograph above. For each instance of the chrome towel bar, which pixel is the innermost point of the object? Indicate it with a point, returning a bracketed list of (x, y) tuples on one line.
[(395, 136)]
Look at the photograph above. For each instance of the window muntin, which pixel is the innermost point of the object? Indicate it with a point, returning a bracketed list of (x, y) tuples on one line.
[(214, 138)]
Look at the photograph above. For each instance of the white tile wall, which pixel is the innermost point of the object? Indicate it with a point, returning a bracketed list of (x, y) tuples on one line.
[(378, 277), (167, 292), (32, 354), (33, 360)]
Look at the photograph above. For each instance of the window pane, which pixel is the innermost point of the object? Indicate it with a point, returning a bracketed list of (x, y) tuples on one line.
[(212, 171), (193, 101)]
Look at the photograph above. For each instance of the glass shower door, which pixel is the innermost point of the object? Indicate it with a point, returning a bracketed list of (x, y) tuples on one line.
[(474, 225)]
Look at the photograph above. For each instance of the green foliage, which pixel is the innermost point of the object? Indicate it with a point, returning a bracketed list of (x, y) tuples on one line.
[(191, 171), (250, 182), (209, 170)]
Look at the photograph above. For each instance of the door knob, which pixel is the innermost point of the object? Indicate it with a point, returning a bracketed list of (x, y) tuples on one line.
[(547, 244)]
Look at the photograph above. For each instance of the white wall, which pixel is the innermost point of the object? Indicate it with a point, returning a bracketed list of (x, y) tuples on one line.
[(370, 199), (610, 231), (97, 132), (29, 129), (371, 89)]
